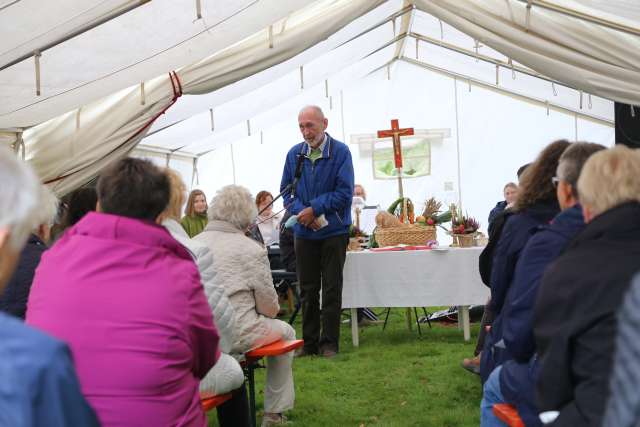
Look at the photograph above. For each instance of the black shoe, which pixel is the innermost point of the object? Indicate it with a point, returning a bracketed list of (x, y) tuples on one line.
[(303, 352)]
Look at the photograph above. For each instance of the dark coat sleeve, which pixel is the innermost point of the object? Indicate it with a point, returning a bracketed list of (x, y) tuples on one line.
[(518, 309), (15, 296), (503, 264)]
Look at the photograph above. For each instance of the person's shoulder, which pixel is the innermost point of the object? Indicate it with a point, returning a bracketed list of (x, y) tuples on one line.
[(27, 348), (339, 146), (295, 150)]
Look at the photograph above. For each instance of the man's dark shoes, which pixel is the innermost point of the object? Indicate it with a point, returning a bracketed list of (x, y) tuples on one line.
[(328, 353), (303, 352)]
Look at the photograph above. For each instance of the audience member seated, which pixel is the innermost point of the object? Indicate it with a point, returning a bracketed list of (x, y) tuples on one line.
[(514, 381), (242, 268), (623, 408), (510, 192), (38, 381), (128, 299), (226, 375), (485, 262), (14, 298), (73, 208), (195, 213), (580, 293), (536, 205), (268, 223)]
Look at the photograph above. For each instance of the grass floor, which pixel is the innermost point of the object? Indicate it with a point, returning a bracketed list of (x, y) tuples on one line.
[(395, 378)]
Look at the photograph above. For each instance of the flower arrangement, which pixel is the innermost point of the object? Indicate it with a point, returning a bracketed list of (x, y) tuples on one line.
[(432, 214), (463, 229)]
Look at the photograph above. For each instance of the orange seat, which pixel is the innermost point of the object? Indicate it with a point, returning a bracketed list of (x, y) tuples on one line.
[(508, 414), (252, 357), (274, 349), (210, 400)]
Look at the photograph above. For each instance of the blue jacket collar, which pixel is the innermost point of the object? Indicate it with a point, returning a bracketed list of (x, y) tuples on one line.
[(326, 152)]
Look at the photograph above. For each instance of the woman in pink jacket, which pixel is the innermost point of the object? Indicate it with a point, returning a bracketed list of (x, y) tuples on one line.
[(127, 298)]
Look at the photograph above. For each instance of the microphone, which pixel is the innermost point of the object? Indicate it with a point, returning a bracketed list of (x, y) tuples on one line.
[(289, 187), (298, 173)]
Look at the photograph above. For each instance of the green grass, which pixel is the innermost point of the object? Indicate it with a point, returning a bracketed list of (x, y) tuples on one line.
[(395, 378)]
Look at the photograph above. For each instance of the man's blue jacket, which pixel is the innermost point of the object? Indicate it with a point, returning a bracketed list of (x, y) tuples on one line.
[(326, 185)]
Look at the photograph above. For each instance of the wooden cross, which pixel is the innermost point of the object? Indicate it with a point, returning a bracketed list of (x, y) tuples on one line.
[(395, 133)]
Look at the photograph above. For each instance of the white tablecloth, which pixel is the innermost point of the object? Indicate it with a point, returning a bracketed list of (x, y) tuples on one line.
[(413, 279)]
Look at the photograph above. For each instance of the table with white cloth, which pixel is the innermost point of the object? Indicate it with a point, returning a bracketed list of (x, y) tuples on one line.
[(418, 278)]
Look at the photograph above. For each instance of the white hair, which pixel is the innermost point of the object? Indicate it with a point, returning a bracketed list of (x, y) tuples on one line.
[(609, 178), (18, 198), (313, 108), (48, 208), (233, 204)]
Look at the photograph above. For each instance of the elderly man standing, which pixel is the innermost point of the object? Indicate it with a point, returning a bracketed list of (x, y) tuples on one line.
[(318, 185), (39, 383)]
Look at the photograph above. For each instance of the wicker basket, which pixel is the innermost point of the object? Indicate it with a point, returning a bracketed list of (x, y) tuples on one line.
[(464, 240), (410, 235)]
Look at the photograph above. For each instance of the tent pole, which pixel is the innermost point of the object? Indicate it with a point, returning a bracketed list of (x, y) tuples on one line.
[(583, 16), (455, 93), (76, 32), (521, 96)]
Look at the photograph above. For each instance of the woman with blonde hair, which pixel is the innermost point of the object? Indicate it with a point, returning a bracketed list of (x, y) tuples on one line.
[(195, 213), (243, 270), (226, 375)]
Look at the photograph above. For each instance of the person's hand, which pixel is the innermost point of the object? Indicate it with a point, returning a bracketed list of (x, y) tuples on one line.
[(306, 217), (315, 225)]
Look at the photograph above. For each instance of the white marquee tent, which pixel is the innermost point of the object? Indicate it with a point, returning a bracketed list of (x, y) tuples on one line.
[(213, 87)]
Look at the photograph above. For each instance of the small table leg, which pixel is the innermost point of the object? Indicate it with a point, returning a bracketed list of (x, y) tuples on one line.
[(466, 326), (354, 327), (460, 318), (409, 321)]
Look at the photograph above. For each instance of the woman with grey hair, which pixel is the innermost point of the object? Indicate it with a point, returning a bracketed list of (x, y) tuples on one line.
[(14, 298), (32, 363), (242, 268)]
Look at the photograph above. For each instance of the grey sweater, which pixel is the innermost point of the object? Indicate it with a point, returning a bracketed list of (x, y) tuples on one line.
[(623, 407)]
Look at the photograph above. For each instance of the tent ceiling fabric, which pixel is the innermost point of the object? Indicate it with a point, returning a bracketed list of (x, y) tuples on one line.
[(155, 38), (71, 149), (259, 53), (585, 55)]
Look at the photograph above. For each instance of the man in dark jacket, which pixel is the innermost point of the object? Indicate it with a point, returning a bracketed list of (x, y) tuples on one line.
[(320, 172), (510, 192), (515, 380), (575, 324)]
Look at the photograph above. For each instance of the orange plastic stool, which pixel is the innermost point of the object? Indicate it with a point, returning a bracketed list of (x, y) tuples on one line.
[(252, 357), (508, 414), (210, 400)]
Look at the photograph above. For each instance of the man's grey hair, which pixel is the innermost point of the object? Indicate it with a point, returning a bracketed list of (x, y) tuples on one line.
[(573, 159), (19, 191), (233, 204), (315, 108)]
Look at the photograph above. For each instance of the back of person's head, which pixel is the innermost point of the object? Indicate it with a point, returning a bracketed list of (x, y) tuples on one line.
[(18, 201), (521, 170), (133, 188), (189, 209), (610, 178), (78, 203), (176, 195), (262, 196), (536, 183), (234, 205), (46, 214), (572, 160)]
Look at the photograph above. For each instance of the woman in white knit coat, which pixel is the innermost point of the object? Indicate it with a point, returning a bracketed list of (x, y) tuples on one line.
[(242, 269), (226, 375)]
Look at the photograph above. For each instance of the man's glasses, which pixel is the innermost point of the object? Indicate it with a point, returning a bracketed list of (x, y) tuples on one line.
[(555, 180)]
